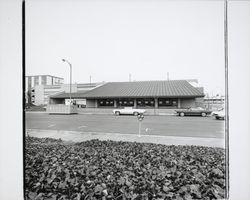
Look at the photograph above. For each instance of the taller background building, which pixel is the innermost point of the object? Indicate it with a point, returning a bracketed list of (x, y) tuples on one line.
[(32, 81)]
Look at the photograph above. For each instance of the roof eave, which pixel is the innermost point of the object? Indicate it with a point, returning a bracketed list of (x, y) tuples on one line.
[(174, 96)]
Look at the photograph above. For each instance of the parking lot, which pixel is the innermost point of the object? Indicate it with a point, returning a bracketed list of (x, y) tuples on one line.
[(205, 127)]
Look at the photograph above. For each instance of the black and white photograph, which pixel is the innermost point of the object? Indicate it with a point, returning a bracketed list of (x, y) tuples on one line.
[(125, 100)]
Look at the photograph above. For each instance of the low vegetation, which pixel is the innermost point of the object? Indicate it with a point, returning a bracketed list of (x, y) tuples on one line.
[(121, 170)]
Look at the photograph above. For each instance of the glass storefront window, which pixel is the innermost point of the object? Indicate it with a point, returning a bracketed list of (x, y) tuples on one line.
[(126, 102), (143, 102), (105, 102), (167, 102), (147, 102)]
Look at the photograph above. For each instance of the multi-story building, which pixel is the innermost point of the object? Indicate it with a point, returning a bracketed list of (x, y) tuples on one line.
[(36, 80), (42, 93), (214, 102)]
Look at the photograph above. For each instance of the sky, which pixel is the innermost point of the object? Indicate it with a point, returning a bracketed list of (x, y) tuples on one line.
[(108, 40)]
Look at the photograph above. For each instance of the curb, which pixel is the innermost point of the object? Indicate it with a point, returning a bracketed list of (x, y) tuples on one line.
[(35, 112), (79, 136), (81, 113)]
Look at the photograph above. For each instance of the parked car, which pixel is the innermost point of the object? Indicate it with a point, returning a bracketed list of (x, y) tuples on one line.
[(128, 111), (193, 112), (220, 114)]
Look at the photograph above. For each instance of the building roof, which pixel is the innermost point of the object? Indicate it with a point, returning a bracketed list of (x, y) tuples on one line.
[(44, 75), (172, 88), (64, 95)]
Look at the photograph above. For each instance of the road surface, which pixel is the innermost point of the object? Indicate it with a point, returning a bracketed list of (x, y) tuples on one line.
[(205, 127)]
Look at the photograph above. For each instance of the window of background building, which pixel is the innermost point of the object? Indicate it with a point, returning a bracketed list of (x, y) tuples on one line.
[(36, 80), (49, 81), (44, 80), (29, 83)]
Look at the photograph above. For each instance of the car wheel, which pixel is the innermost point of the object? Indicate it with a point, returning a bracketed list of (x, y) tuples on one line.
[(203, 114), (182, 114), (117, 113), (220, 118), (135, 113)]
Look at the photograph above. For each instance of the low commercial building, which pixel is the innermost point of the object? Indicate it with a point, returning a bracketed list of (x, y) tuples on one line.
[(139, 94)]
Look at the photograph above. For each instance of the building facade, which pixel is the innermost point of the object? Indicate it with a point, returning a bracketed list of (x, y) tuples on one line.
[(141, 94), (42, 93), (39, 80), (214, 102)]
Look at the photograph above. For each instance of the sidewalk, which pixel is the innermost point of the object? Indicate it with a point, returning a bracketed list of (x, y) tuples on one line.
[(77, 136), (103, 111), (109, 111)]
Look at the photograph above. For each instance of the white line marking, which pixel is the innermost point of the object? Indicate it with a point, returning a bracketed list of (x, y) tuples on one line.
[(51, 125), (82, 127), (220, 131)]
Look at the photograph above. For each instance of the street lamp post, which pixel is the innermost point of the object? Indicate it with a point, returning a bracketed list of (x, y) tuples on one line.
[(70, 65)]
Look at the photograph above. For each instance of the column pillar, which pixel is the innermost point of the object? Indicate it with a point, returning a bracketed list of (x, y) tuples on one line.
[(179, 103), (135, 103), (115, 103), (156, 102), (96, 103)]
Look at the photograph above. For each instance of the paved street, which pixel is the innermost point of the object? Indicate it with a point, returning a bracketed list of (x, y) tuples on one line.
[(205, 127)]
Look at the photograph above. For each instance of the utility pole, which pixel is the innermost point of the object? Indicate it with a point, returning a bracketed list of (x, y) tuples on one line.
[(70, 84)]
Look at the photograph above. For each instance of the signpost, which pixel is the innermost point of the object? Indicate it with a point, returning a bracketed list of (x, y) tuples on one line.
[(140, 118)]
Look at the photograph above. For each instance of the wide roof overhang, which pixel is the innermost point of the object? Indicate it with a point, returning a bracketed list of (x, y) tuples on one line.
[(141, 89)]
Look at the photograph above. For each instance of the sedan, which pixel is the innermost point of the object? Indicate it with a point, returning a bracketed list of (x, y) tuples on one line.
[(220, 114), (128, 111), (193, 112)]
